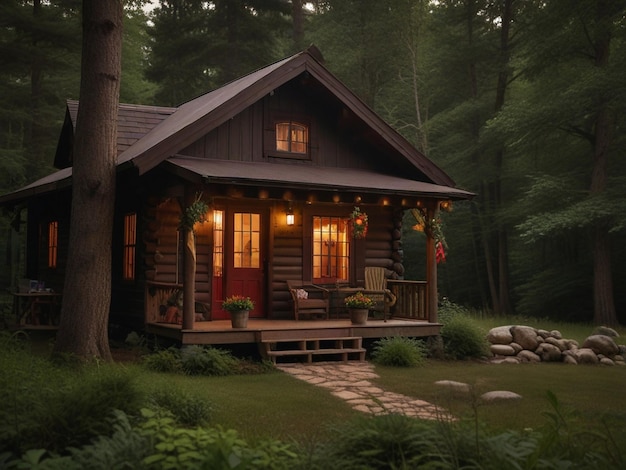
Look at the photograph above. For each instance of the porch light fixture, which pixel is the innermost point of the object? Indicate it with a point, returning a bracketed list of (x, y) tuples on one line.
[(290, 216)]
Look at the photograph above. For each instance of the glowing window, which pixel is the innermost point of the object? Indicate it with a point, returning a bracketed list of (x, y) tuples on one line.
[(218, 243), (247, 240), (292, 137), (53, 243), (130, 244), (331, 249)]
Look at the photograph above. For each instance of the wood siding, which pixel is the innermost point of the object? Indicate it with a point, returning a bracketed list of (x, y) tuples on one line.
[(250, 135)]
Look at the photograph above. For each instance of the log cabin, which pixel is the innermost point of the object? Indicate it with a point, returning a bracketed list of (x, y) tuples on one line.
[(281, 163)]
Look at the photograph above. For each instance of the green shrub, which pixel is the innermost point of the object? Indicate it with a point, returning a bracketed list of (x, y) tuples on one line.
[(447, 310), (380, 442), (462, 338), (165, 360), (54, 408), (205, 360), (188, 410), (399, 351), (209, 448)]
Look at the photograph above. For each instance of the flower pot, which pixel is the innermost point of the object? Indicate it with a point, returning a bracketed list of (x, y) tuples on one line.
[(239, 318), (358, 316)]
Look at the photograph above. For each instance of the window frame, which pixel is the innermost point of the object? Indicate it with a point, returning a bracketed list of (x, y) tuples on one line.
[(356, 250), (341, 250), (53, 244), (271, 144), (129, 247)]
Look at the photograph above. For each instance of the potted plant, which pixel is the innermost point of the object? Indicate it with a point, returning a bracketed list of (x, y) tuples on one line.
[(359, 306), (239, 308)]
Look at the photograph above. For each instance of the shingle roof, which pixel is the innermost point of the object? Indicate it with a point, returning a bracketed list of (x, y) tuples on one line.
[(150, 135), (314, 177)]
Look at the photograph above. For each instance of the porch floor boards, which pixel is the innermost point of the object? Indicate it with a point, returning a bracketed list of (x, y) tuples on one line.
[(263, 330)]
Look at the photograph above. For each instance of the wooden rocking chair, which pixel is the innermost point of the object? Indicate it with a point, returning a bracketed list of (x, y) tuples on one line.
[(309, 299), (376, 289)]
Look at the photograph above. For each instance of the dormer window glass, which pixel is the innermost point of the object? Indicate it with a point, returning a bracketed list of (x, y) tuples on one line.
[(292, 137)]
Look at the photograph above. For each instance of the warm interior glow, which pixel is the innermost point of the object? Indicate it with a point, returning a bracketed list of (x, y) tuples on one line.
[(290, 219)]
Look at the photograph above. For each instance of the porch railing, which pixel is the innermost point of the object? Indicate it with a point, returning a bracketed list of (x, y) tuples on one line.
[(411, 299)]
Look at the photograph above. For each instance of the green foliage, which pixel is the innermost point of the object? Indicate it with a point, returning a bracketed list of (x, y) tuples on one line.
[(463, 338), (54, 407), (188, 410), (447, 310), (204, 360), (176, 447), (399, 351), (382, 442), (195, 360), (164, 360)]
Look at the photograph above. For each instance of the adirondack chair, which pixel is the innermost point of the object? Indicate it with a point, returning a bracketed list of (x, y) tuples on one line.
[(376, 289), (309, 299)]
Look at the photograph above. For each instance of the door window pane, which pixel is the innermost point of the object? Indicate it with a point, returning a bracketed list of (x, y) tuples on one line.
[(247, 240)]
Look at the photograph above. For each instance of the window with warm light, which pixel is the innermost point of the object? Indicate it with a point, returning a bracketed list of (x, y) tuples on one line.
[(331, 249), (218, 243), (53, 243), (292, 137), (130, 246), (247, 240)]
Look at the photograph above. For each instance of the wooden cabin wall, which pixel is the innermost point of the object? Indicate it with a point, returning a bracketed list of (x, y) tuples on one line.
[(286, 264), (163, 253), (41, 211), (248, 135), (382, 247)]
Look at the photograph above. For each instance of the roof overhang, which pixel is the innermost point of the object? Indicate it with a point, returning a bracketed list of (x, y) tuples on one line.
[(307, 177)]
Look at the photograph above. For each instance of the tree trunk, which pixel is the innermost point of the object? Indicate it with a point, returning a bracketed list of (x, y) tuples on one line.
[(603, 302), (87, 290)]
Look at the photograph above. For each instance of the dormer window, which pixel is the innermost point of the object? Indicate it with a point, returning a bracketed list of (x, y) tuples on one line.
[(292, 137)]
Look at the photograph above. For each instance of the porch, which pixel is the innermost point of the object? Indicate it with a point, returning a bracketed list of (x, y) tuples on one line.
[(263, 330)]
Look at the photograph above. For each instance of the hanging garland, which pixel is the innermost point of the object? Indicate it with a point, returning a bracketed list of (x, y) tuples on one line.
[(434, 228), (359, 223)]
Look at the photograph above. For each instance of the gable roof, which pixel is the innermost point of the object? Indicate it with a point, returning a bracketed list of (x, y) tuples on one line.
[(197, 117), (133, 123), (150, 135)]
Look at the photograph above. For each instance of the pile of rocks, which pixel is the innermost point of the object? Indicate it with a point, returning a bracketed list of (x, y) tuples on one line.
[(518, 343)]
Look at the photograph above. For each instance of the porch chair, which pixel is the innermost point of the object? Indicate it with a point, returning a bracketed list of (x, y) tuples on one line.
[(376, 289), (309, 299)]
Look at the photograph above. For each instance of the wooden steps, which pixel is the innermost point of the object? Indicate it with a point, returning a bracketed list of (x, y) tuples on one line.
[(345, 348)]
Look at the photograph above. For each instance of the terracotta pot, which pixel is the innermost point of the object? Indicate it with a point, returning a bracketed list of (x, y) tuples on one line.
[(239, 318), (358, 316)]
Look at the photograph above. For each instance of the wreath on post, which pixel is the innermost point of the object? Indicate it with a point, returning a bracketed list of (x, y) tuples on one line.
[(359, 223), (195, 212)]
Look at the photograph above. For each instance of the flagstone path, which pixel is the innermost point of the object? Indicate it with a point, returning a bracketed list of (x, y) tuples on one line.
[(351, 381)]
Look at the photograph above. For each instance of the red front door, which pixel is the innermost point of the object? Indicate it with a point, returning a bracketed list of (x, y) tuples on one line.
[(238, 258)]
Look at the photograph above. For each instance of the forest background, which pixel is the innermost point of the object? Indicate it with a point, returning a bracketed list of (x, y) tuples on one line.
[(522, 102)]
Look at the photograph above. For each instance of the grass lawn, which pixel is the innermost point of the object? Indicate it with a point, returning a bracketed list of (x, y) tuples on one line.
[(272, 405), (594, 392)]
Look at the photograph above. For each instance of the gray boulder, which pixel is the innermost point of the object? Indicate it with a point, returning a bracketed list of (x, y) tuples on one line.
[(528, 356), (586, 356), (606, 331), (525, 336), (602, 344), (550, 353), (498, 395), (502, 350), (500, 335)]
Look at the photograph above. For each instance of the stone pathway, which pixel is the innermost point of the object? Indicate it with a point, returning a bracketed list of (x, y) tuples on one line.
[(351, 382)]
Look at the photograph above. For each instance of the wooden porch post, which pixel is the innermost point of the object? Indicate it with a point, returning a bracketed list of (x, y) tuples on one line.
[(431, 269), (189, 272)]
